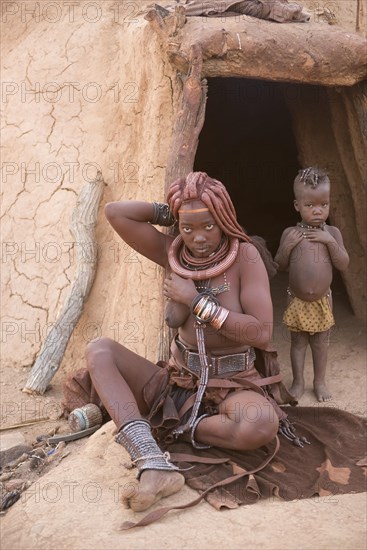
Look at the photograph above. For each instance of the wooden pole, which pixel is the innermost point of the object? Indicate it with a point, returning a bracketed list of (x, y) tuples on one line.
[(188, 124), (359, 16), (84, 218)]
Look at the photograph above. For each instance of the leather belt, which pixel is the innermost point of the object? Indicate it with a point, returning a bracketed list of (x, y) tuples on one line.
[(218, 366)]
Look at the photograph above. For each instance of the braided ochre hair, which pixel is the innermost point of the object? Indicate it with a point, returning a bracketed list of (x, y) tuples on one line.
[(199, 186)]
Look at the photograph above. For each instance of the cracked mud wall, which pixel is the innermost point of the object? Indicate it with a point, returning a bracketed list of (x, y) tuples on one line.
[(82, 90), (84, 86)]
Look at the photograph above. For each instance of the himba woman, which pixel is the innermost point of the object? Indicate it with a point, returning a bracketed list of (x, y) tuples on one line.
[(218, 299)]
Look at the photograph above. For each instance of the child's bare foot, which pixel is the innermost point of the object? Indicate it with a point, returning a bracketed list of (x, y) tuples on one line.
[(153, 485), (321, 391), (297, 388)]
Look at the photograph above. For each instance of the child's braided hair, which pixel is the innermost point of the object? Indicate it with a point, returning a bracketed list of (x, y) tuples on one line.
[(311, 176)]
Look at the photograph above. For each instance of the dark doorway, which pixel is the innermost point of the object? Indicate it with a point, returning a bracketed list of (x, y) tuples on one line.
[(247, 143)]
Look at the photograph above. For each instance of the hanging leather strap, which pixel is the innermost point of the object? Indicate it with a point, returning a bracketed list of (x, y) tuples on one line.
[(255, 385), (157, 514), (229, 384)]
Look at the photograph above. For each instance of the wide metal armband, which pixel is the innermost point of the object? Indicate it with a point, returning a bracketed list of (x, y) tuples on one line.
[(162, 215)]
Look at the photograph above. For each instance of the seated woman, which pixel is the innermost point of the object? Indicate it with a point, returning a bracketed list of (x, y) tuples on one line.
[(218, 298)]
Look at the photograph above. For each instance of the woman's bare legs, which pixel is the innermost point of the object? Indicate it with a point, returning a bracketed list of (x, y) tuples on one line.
[(246, 421), (119, 376)]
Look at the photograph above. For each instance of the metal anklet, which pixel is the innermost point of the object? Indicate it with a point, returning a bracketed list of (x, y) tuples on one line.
[(136, 437)]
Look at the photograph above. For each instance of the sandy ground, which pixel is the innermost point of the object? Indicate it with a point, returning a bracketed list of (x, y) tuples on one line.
[(332, 522)]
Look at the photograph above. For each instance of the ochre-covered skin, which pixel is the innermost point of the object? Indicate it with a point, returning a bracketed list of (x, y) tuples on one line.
[(309, 251), (119, 375)]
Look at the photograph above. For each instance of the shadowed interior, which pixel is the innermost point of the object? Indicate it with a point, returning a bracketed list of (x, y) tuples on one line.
[(248, 143)]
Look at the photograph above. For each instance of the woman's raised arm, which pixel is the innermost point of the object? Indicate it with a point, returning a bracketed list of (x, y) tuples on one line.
[(130, 219)]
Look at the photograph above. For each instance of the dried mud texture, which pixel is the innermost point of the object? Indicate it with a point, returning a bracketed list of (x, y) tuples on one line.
[(79, 94)]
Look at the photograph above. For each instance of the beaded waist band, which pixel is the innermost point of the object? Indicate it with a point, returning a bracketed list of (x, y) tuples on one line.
[(218, 366)]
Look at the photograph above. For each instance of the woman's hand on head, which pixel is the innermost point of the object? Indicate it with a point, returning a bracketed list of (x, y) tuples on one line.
[(179, 289)]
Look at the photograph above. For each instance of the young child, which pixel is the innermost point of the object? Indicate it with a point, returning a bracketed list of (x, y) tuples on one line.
[(309, 251)]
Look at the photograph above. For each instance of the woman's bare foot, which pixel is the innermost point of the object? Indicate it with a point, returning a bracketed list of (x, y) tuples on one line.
[(321, 391), (153, 485), (297, 388)]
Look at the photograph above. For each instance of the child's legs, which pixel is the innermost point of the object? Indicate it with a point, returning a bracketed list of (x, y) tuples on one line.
[(319, 345), (299, 342)]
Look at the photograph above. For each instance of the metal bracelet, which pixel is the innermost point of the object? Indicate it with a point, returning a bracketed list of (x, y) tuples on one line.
[(162, 215), (219, 318), (204, 307)]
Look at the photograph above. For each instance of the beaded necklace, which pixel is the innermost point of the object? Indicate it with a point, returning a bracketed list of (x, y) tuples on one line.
[(204, 286), (305, 226)]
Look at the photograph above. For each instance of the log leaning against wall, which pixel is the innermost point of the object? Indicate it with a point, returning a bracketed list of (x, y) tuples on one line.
[(83, 225)]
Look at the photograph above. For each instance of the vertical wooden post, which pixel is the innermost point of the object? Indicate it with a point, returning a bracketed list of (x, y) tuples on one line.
[(190, 120), (359, 15), (189, 123)]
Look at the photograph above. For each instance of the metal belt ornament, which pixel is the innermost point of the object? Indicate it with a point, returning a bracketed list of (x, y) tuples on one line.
[(204, 375)]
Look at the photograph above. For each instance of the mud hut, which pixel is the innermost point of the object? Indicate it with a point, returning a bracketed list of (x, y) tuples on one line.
[(114, 87)]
